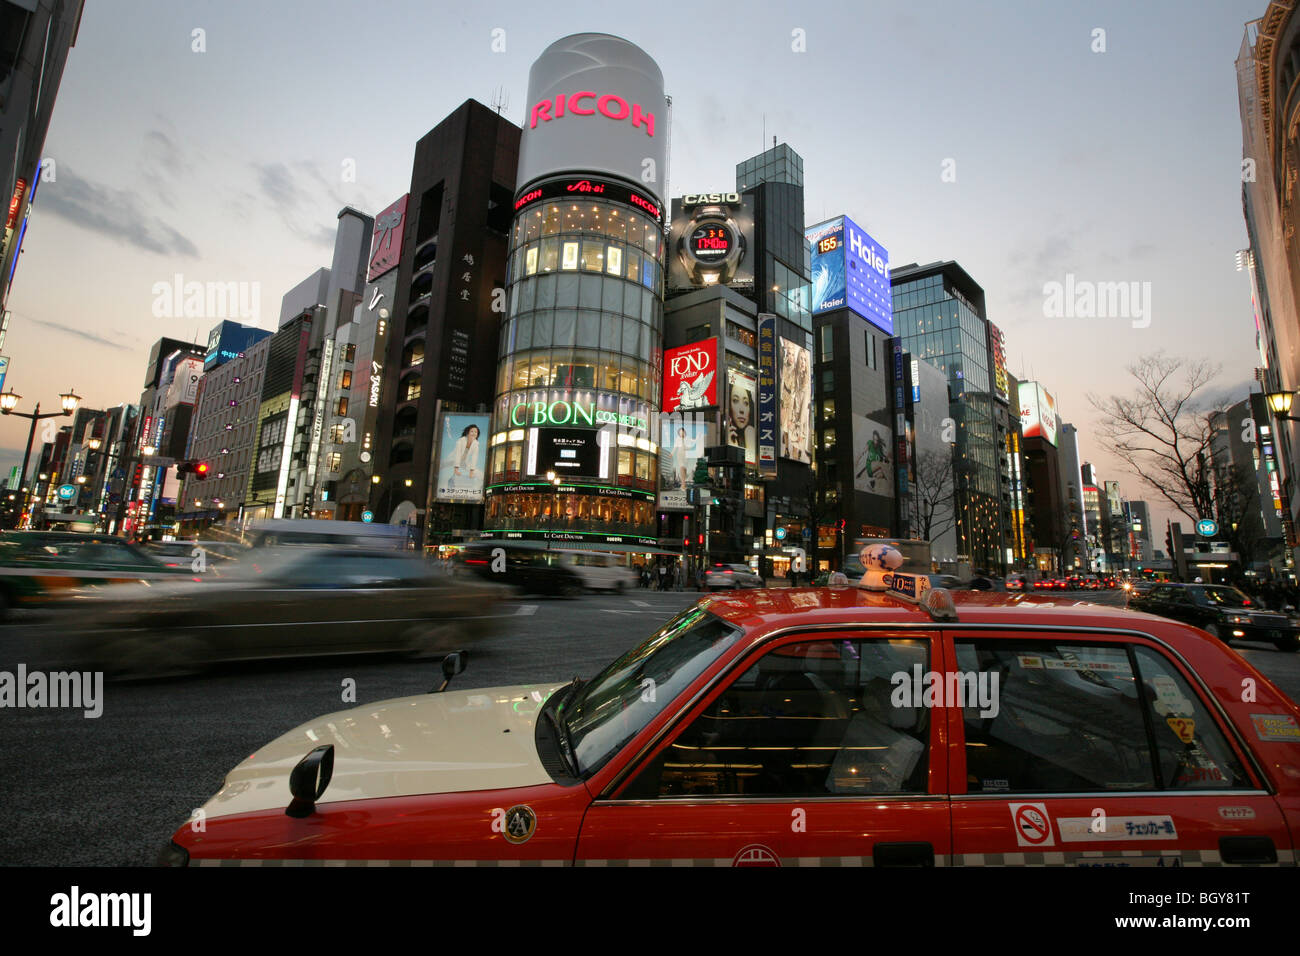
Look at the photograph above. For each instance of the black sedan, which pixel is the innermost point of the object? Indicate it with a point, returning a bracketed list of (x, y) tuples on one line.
[(1222, 612)]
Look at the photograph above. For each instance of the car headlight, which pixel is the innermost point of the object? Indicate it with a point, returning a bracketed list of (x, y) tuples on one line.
[(1238, 619)]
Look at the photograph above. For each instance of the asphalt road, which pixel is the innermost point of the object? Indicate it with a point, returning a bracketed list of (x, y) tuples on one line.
[(111, 790)]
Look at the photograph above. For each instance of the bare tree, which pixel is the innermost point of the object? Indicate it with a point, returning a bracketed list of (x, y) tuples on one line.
[(1163, 431), (934, 508)]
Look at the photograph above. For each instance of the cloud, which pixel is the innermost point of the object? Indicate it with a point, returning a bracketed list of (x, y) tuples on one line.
[(80, 333), (299, 191), (116, 213)]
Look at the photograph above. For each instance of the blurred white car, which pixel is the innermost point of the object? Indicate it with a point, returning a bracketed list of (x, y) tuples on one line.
[(729, 577)]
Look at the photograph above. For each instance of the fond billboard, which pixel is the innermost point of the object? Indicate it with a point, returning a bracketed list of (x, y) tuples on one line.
[(690, 376)]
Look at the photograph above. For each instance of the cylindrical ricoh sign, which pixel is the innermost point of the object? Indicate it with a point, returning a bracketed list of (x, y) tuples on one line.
[(595, 105)]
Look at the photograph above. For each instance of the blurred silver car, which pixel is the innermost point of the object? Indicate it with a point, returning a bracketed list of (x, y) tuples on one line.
[(291, 602), (729, 577)]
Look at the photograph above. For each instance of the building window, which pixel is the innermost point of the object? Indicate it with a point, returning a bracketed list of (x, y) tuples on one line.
[(343, 406), (350, 354), (828, 410), (345, 380), (334, 462), (872, 361), (828, 337)]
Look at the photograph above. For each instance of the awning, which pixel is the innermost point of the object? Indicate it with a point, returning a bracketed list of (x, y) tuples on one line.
[(534, 544)]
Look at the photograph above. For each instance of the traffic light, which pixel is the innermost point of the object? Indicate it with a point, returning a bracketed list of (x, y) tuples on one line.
[(200, 470)]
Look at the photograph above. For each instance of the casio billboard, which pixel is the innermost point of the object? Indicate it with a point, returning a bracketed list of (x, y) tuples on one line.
[(595, 104)]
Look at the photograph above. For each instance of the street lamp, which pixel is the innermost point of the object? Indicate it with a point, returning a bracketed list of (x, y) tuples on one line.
[(1279, 403), (9, 401)]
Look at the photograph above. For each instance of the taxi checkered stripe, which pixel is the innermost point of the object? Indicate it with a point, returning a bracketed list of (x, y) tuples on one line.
[(1059, 858)]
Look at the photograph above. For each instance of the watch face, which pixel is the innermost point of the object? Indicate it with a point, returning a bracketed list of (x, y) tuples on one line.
[(711, 242)]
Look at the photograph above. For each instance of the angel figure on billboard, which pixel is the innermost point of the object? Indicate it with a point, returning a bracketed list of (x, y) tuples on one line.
[(875, 459), (694, 394), (465, 456)]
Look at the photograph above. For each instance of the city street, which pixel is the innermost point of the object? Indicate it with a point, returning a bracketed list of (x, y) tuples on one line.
[(110, 790)]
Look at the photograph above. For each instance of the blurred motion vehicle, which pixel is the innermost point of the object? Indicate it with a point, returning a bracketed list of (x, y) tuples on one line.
[(1222, 612), (526, 567), (201, 557), (730, 577), (599, 571), (40, 568), (291, 602), (772, 704), (285, 532)]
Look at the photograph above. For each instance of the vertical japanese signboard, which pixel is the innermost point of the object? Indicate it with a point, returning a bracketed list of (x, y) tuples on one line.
[(767, 424)]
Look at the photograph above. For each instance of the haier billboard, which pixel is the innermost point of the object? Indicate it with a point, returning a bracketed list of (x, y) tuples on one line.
[(850, 270)]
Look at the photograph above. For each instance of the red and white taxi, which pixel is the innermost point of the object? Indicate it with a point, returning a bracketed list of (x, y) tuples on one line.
[(817, 726)]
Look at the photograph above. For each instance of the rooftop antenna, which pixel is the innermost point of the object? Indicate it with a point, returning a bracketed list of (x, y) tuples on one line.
[(500, 99)]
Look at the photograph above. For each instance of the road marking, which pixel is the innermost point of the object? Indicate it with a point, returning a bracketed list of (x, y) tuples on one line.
[(525, 610), (641, 603)]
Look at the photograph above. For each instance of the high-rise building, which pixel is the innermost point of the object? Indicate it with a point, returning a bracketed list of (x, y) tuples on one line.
[(1244, 495), (1268, 75), (574, 449), (439, 350), (222, 433), (35, 38), (940, 317)]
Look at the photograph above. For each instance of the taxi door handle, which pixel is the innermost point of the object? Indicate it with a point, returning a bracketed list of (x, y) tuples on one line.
[(1247, 849), (903, 854)]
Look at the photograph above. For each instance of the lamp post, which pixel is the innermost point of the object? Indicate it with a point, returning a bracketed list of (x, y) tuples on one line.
[(9, 401)]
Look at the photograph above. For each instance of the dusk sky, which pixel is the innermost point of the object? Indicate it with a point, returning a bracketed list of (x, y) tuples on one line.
[(228, 165)]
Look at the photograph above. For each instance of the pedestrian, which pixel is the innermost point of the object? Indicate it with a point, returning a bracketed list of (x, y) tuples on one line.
[(663, 577)]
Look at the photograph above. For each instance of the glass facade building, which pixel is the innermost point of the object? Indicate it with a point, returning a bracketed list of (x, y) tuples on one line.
[(939, 314), (581, 350)]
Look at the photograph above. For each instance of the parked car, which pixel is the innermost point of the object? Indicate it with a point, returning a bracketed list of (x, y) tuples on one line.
[(775, 705), (731, 577), (1222, 612), (292, 602), (44, 568)]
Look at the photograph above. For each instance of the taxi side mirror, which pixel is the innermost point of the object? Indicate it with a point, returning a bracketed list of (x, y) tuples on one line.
[(308, 781), (452, 665)]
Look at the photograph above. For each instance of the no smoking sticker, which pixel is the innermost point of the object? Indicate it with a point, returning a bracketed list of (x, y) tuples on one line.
[(1033, 828)]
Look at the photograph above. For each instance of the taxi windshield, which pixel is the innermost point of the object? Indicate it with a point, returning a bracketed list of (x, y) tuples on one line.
[(1226, 597), (621, 700)]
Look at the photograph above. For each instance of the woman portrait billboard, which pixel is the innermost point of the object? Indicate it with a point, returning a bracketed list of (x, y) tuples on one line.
[(740, 418), (796, 402), (462, 457)]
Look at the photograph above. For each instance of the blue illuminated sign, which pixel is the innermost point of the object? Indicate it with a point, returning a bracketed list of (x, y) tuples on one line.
[(850, 270)]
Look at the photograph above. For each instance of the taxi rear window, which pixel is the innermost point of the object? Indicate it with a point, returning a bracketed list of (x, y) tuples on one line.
[(1085, 718)]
